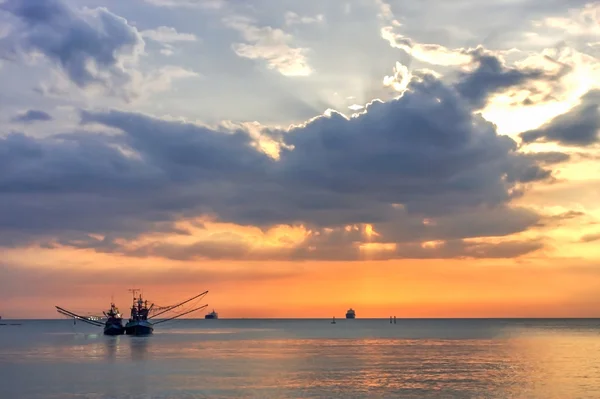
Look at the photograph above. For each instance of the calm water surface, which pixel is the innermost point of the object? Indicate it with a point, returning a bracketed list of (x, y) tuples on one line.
[(305, 359)]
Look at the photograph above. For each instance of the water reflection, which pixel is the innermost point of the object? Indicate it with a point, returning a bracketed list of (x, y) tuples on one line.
[(530, 361), (111, 347), (138, 347)]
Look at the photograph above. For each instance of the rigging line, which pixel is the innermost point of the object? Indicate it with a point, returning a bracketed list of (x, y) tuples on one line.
[(180, 305), (182, 314), (75, 315), (78, 317), (174, 306)]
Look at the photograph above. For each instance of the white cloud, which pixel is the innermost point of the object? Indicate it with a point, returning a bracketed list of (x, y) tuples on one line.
[(548, 99), (434, 54), (579, 22), (167, 34), (160, 80), (291, 18), (385, 13), (270, 44), (400, 79), (167, 50)]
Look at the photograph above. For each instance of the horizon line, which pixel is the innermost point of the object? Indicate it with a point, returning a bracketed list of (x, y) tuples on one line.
[(358, 318)]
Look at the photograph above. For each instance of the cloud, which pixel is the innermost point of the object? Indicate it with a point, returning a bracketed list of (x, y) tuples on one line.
[(412, 178), (581, 22), (91, 46), (94, 48), (465, 249), (348, 252), (434, 54), (491, 76), (484, 72), (206, 4), (550, 157), (32, 115), (590, 237), (291, 18), (270, 44), (161, 80), (167, 34), (580, 126)]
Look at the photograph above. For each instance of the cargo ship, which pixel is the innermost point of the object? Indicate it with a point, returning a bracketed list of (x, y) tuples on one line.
[(212, 315), (350, 314)]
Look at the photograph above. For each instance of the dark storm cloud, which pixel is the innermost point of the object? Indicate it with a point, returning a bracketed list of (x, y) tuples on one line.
[(578, 127), (425, 150), (32, 115), (73, 40), (423, 155)]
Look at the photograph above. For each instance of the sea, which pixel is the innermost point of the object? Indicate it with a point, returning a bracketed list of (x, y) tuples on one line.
[(301, 358)]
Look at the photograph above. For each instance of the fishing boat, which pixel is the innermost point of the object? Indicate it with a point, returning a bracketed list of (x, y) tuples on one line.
[(350, 314), (142, 314), (138, 323), (212, 315), (110, 327), (114, 321)]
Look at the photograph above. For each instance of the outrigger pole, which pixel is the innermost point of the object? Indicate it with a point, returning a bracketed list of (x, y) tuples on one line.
[(168, 308), (78, 317), (182, 314)]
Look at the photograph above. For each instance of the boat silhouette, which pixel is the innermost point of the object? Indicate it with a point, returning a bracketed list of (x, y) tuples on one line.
[(141, 321)]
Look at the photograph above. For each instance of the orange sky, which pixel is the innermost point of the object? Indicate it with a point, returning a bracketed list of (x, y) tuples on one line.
[(535, 287)]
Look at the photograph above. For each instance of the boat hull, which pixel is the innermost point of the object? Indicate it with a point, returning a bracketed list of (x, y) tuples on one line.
[(139, 328), (211, 317), (350, 316), (114, 329)]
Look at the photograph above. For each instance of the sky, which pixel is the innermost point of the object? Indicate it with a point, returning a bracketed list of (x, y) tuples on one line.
[(298, 158)]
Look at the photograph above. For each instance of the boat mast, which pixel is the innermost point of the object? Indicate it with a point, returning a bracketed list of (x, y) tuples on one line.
[(134, 291)]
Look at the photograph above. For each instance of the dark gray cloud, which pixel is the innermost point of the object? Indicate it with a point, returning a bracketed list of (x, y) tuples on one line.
[(492, 76), (561, 219), (425, 155), (551, 157), (88, 45), (336, 245), (578, 127), (32, 115)]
